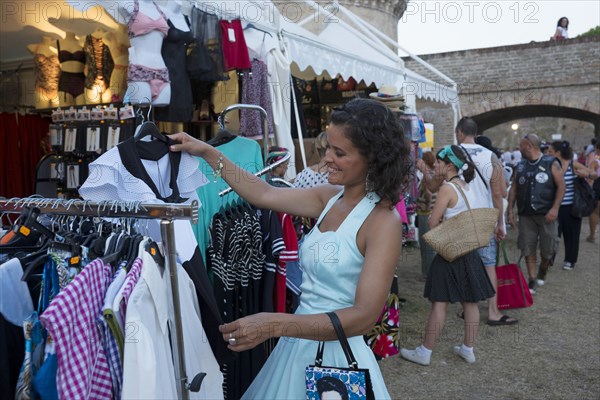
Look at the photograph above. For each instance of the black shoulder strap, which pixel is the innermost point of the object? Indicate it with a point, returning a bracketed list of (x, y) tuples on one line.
[(476, 169)]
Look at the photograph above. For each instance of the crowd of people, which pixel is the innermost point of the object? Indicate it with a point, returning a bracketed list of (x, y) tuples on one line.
[(536, 177), (539, 179), (367, 169)]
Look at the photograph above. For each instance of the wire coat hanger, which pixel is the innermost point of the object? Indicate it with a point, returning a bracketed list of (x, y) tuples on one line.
[(261, 172), (252, 26)]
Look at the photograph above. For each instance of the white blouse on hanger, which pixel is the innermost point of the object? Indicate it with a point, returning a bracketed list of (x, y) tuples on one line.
[(148, 371), (109, 179), (15, 300)]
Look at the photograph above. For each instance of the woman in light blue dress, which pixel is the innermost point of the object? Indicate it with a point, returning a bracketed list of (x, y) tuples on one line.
[(349, 258)]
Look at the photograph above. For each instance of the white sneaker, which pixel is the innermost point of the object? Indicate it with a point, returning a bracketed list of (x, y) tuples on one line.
[(415, 356), (540, 282), (468, 357), (532, 285), (568, 266)]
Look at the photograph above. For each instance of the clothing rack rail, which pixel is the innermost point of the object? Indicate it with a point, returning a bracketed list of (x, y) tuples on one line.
[(261, 172), (167, 213)]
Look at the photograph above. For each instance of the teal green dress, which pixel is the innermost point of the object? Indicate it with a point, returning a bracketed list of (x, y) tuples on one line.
[(331, 264)]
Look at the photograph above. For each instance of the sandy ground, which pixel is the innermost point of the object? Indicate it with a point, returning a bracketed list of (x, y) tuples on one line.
[(552, 353)]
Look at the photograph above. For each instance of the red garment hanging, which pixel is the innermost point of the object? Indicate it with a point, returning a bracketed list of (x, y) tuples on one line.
[(33, 131), (233, 42), (21, 139), (10, 179)]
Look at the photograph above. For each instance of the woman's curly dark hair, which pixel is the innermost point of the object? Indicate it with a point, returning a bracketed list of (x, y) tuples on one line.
[(564, 148), (377, 134)]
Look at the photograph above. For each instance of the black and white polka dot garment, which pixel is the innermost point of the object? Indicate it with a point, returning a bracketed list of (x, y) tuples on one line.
[(309, 178)]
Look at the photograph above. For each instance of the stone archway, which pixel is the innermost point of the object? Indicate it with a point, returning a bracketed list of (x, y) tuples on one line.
[(527, 81), (495, 117)]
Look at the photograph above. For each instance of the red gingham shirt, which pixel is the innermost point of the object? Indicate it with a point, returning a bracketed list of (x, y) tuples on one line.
[(83, 371)]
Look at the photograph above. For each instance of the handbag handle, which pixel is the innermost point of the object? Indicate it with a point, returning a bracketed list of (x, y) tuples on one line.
[(463, 195), (503, 247), (339, 330)]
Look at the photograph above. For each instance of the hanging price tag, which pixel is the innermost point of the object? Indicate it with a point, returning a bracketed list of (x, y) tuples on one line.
[(231, 35)]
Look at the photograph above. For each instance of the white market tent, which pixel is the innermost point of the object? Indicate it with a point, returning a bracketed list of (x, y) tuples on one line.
[(345, 45)]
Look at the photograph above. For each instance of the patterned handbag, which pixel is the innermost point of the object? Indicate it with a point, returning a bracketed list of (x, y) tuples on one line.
[(384, 338), (350, 383)]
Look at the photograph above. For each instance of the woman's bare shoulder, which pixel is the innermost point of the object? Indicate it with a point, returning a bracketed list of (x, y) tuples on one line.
[(384, 215)]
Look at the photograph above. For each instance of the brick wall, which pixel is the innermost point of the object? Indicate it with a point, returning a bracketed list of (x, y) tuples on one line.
[(565, 73)]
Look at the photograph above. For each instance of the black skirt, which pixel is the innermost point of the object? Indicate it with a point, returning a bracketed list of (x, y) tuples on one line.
[(462, 280)]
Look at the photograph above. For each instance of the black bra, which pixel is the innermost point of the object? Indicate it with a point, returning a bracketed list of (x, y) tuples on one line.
[(64, 56)]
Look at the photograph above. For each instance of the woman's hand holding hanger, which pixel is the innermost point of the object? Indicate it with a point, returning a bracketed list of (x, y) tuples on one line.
[(189, 144), (300, 202)]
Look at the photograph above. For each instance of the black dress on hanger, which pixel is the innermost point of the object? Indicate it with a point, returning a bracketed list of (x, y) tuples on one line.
[(174, 52)]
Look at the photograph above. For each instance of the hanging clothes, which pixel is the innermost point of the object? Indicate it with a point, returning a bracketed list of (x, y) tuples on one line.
[(235, 51), (289, 274), (38, 372), (83, 369), (174, 175), (245, 153), (206, 54), (255, 90), (174, 52), (142, 176), (273, 245), (235, 258), (109, 334), (12, 346), (115, 312), (148, 311), (270, 49), (15, 306)]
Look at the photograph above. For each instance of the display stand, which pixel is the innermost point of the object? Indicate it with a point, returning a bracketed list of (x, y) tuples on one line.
[(167, 213)]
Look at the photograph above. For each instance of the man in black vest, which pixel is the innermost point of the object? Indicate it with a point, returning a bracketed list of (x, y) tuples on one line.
[(538, 188)]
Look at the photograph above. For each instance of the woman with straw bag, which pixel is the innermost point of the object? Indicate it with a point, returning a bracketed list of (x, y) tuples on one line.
[(462, 280)]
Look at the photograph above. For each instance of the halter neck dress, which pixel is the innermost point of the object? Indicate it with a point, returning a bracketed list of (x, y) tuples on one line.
[(331, 264)]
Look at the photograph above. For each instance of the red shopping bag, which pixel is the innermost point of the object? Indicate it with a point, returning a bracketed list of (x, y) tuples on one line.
[(513, 291)]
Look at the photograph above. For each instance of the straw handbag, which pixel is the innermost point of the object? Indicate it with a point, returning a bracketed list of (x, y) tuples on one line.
[(463, 233)]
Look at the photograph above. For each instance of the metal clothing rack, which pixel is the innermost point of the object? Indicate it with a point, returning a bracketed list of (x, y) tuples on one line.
[(264, 118), (167, 213), (265, 122)]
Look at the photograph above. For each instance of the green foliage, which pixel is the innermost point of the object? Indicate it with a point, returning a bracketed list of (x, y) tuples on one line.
[(591, 32)]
